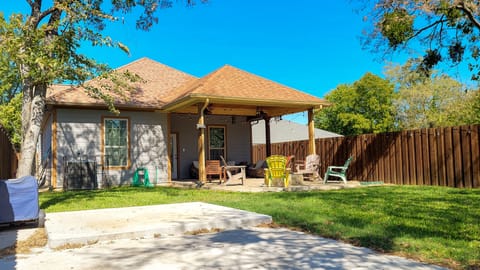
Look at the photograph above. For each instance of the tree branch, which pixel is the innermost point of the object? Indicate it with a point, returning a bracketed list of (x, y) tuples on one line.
[(35, 6), (46, 13), (434, 24), (467, 11)]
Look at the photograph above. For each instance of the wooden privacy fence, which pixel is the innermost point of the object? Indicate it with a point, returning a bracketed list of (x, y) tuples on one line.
[(8, 157), (436, 156)]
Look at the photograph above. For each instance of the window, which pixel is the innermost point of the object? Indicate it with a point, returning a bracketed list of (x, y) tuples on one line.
[(116, 143), (216, 142)]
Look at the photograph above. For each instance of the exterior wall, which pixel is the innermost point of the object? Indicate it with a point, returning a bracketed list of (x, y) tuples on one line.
[(44, 151), (237, 133), (79, 138)]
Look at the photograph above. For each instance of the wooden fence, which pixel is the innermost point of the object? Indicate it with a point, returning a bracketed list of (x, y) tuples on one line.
[(8, 157), (436, 156)]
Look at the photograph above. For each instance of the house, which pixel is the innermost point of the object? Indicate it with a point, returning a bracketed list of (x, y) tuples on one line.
[(285, 131), (170, 120)]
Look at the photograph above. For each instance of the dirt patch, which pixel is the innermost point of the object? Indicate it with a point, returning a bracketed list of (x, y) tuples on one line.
[(269, 225), (203, 231), (75, 245), (38, 239)]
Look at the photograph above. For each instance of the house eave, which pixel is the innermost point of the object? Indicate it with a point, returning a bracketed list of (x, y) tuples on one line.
[(246, 106), (99, 106)]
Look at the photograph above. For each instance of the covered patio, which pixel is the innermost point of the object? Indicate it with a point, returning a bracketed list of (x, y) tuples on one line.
[(235, 93)]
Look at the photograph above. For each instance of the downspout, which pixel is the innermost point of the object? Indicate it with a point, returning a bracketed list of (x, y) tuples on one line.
[(202, 176)]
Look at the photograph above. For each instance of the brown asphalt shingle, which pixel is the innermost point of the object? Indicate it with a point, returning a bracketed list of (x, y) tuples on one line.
[(232, 82), (159, 81), (164, 85)]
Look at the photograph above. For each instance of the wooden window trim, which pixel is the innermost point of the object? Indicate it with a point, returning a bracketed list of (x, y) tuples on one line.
[(224, 139), (102, 131)]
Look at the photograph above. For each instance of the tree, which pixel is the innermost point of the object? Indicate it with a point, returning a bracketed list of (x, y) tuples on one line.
[(447, 30), (11, 104), (363, 107), (435, 101), (41, 48), (10, 118)]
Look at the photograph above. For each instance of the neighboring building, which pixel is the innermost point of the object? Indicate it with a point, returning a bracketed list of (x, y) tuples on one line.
[(170, 120), (285, 131)]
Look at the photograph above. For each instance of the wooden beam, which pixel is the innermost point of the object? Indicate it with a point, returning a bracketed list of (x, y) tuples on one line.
[(311, 133), (243, 110), (278, 111), (233, 110), (202, 176)]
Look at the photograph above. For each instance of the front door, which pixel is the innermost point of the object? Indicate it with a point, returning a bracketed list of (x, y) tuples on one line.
[(174, 155)]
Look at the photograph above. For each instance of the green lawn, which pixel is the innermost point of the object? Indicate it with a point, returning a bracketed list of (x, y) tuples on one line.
[(431, 224)]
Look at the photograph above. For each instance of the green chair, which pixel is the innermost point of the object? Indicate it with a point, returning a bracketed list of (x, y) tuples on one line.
[(277, 169), (136, 178), (338, 171)]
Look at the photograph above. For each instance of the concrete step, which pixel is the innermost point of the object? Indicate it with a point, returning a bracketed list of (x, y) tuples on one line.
[(90, 226)]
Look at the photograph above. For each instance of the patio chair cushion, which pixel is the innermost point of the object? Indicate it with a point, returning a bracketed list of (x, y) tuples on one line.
[(257, 170)]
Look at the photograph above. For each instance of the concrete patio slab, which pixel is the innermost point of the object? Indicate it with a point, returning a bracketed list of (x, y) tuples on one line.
[(86, 227), (253, 248)]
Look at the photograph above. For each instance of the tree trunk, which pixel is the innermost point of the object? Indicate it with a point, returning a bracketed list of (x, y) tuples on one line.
[(33, 110)]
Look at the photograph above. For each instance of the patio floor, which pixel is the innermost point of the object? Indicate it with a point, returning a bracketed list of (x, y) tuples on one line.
[(257, 185)]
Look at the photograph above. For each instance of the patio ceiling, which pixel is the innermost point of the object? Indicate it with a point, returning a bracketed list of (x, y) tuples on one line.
[(239, 106)]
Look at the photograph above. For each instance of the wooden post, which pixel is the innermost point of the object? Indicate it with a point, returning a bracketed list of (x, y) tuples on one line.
[(268, 145), (202, 176), (311, 133)]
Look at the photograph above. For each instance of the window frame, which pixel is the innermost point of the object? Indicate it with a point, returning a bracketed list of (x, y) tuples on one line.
[(128, 163), (224, 140)]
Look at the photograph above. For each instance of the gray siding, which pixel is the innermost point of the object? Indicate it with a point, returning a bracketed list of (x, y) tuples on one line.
[(79, 137), (238, 138), (45, 147)]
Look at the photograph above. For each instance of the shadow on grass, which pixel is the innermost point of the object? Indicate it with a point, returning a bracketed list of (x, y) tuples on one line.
[(376, 217), (54, 198), (50, 199)]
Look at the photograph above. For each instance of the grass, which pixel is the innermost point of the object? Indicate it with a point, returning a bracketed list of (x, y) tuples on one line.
[(432, 224)]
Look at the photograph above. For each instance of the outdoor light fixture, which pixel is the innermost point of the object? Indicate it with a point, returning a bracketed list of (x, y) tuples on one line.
[(259, 115)]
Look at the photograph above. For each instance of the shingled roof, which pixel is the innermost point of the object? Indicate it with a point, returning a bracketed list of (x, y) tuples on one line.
[(159, 82), (168, 89), (233, 82)]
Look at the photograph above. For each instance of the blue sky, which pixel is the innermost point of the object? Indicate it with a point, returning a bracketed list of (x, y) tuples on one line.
[(310, 45)]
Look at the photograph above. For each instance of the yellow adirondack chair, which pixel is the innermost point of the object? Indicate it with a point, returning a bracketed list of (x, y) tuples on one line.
[(277, 169)]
